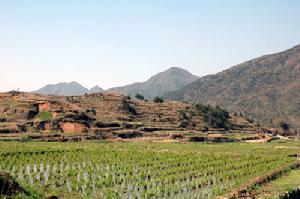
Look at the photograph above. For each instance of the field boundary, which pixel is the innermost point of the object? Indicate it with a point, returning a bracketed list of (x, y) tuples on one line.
[(244, 191)]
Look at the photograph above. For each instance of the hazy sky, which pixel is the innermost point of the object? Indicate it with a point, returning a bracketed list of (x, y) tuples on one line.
[(116, 42)]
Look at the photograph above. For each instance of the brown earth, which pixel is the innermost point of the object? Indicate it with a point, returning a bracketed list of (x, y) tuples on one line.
[(103, 115)]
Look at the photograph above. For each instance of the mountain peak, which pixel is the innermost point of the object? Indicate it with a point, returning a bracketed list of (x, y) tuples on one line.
[(264, 88), (74, 83), (176, 71), (169, 80), (67, 89), (174, 68), (95, 89), (63, 89)]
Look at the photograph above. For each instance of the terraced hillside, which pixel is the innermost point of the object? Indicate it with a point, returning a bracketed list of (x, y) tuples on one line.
[(112, 115)]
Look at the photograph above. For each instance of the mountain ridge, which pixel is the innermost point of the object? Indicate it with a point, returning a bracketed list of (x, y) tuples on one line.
[(159, 84), (67, 89), (265, 88)]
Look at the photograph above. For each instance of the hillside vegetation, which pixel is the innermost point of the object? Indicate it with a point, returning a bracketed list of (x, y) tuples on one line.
[(266, 89)]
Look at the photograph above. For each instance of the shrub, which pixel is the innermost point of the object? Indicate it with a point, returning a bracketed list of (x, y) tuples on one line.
[(183, 115), (285, 126), (93, 111), (107, 125), (139, 96), (184, 123), (177, 136), (214, 116), (185, 118), (129, 134), (14, 93), (127, 97), (205, 129), (158, 100), (127, 107)]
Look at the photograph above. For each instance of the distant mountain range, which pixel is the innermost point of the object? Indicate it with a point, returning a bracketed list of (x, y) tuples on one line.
[(170, 80), (67, 89), (266, 89), (158, 85)]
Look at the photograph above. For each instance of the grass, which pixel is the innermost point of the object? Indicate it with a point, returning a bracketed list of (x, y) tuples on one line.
[(45, 116), (284, 184)]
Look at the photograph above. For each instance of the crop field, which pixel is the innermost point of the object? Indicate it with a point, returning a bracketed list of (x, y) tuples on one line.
[(141, 170), (286, 183)]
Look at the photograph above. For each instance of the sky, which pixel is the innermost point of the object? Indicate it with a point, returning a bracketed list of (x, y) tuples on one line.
[(117, 42)]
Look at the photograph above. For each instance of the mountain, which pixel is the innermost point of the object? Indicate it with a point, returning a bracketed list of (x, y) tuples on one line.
[(63, 89), (95, 89), (67, 89), (266, 89), (170, 80)]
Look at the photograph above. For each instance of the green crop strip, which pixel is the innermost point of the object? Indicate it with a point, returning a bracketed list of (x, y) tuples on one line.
[(45, 116), (142, 170)]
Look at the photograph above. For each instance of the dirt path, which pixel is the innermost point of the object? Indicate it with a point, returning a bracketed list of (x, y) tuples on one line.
[(263, 140)]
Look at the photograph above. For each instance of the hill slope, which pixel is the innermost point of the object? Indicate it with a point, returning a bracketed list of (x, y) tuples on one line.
[(159, 84), (67, 89), (266, 89), (108, 115)]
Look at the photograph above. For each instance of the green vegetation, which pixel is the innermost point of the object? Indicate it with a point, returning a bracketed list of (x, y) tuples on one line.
[(214, 116), (127, 97), (139, 96), (127, 107), (45, 116), (241, 88), (284, 184), (185, 118), (93, 111), (158, 100), (142, 170), (285, 126)]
